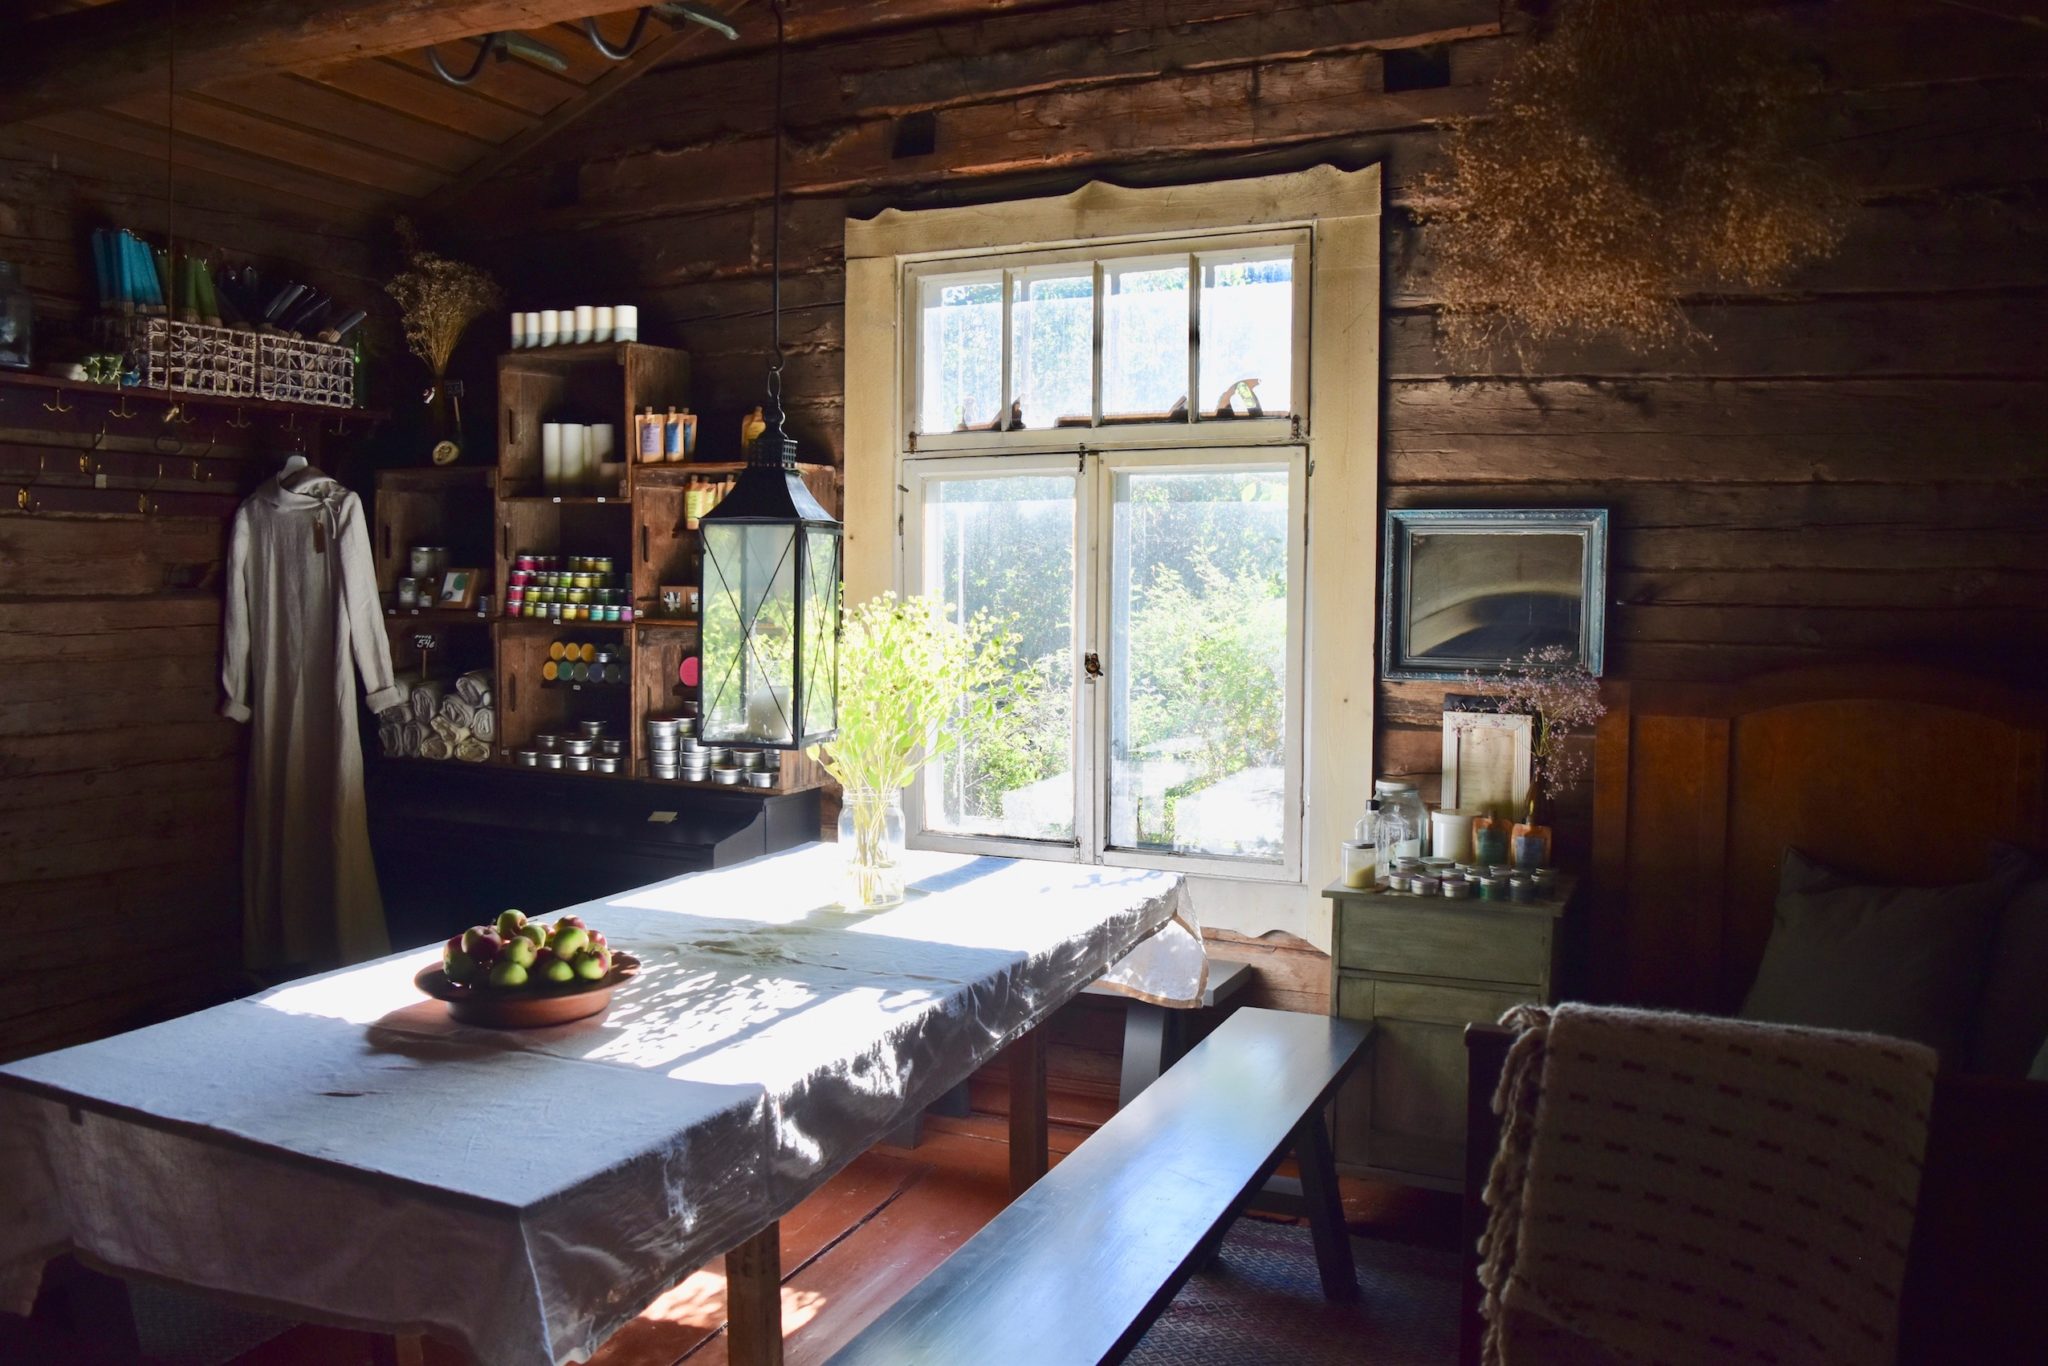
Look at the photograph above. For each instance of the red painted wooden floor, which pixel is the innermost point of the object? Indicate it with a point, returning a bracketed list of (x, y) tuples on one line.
[(851, 1249)]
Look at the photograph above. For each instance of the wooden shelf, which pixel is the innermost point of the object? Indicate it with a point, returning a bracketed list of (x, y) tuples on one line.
[(568, 500), (573, 353), (670, 623), (31, 380), (681, 471), (436, 478), (553, 626), (427, 616)]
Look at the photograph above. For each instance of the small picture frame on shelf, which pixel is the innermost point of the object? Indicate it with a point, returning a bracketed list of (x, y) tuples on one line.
[(1487, 758), (459, 588)]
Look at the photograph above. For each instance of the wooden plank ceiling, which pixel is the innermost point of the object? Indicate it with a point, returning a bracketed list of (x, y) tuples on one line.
[(332, 110)]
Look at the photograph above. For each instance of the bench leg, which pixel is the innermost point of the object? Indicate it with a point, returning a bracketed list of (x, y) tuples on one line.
[(1148, 1047), (1318, 1165), (753, 1300), (1029, 1154)]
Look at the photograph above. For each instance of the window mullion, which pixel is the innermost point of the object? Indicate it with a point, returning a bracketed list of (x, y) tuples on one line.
[(1095, 371), (1194, 336), (1003, 404)]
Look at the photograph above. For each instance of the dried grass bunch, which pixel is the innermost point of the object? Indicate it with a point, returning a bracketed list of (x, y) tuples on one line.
[(1640, 150), (437, 299)]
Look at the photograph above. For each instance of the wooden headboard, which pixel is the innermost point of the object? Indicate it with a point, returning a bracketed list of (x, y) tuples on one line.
[(1899, 774)]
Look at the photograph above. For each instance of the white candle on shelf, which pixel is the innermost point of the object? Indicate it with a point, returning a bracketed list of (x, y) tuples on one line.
[(586, 321), (551, 457), (518, 331), (602, 328), (550, 327), (626, 322), (574, 477), (1450, 835)]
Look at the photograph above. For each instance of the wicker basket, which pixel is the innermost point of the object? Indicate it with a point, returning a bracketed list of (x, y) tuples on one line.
[(232, 362)]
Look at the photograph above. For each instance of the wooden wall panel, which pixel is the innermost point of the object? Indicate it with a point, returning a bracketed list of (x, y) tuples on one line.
[(1851, 468)]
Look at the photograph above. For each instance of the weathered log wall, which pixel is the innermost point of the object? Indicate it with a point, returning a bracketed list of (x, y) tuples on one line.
[(1853, 467), (120, 785)]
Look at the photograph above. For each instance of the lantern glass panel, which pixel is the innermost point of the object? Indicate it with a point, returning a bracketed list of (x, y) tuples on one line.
[(749, 632), (820, 664)]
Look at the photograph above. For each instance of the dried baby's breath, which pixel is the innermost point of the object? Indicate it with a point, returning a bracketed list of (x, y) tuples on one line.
[(437, 299), (1637, 152)]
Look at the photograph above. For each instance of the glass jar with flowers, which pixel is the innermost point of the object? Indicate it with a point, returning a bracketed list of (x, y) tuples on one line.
[(438, 299), (1550, 686), (915, 683)]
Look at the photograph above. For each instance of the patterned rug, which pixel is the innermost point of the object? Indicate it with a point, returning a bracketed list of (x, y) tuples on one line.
[(1263, 1304)]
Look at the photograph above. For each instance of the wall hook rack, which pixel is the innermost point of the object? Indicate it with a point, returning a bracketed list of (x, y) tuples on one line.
[(121, 410), (240, 421), (57, 404)]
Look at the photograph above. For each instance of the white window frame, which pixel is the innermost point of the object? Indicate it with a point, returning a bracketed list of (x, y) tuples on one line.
[(1293, 426), (1344, 208), (1094, 475)]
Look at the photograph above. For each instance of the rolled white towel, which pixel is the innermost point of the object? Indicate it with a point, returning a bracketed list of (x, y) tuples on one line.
[(391, 737), (472, 751), (473, 685), (458, 711), (426, 699), (484, 725), (434, 747), (449, 731), (416, 735)]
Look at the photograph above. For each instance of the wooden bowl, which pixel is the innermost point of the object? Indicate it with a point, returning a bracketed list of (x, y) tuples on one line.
[(528, 1007)]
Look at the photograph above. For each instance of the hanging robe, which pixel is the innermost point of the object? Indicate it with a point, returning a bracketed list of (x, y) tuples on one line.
[(302, 618)]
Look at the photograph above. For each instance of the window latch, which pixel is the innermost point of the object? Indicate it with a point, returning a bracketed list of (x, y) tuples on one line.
[(1091, 664)]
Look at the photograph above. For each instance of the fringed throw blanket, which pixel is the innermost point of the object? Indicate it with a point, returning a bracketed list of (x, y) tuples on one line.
[(1676, 1189)]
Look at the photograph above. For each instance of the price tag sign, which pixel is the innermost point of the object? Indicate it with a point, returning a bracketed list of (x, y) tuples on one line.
[(426, 640)]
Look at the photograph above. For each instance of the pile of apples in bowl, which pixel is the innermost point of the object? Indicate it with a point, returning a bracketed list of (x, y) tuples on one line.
[(517, 973)]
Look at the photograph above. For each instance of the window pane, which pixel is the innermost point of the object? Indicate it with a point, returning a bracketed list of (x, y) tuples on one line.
[(749, 626), (1052, 347), (1247, 332), (1145, 341), (1198, 663), (1005, 545), (960, 353)]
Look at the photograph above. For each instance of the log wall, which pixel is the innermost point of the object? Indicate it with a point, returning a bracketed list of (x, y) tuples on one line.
[(120, 785), (1853, 467)]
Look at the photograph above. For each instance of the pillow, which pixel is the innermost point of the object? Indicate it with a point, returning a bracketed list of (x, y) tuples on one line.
[(1903, 961), (2012, 1017)]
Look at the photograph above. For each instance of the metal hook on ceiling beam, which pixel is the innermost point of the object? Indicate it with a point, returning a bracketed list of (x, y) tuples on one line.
[(503, 44)]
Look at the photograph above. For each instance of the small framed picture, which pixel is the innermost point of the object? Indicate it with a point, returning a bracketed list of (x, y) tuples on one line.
[(459, 587), (679, 600)]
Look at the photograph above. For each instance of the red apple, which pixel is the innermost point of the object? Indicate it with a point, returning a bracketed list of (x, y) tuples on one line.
[(589, 966), (482, 944), (509, 923)]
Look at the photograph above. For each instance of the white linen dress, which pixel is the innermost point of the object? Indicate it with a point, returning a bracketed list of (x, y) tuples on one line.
[(302, 618)]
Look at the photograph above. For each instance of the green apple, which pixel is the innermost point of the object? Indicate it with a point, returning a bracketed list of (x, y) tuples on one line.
[(569, 940), (508, 973), (589, 966), (520, 950), (459, 966), (509, 923), (482, 943), (560, 971), (534, 933)]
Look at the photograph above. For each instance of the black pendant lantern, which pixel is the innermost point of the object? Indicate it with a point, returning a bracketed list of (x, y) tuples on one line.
[(770, 595)]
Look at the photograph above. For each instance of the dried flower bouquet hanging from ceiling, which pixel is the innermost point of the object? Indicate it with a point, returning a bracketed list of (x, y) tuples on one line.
[(1636, 152)]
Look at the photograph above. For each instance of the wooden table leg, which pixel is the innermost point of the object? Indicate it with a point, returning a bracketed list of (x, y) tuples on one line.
[(1029, 1154), (1318, 1163), (753, 1300)]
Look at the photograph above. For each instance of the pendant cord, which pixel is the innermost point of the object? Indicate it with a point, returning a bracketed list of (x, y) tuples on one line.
[(775, 229)]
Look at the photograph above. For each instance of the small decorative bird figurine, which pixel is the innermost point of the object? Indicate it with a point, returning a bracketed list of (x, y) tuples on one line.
[(751, 427)]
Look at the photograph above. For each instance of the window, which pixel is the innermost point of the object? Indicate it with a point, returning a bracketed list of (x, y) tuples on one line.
[(1147, 552), (1110, 346)]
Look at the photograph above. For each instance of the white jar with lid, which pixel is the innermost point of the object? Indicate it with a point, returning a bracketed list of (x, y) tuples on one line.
[(1358, 864)]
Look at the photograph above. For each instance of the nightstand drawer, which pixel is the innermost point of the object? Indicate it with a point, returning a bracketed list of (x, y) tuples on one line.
[(1444, 939)]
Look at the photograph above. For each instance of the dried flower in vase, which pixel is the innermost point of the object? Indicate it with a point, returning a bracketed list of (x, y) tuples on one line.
[(1552, 687), (438, 299)]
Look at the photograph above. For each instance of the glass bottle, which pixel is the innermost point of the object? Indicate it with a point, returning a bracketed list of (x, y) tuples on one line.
[(1401, 823), (17, 320)]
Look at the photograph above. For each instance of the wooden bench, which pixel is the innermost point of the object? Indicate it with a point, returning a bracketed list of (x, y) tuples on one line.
[(1079, 1266), (1156, 1036)]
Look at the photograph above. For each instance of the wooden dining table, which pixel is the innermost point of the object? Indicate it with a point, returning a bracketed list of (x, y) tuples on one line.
[(339, 1150)]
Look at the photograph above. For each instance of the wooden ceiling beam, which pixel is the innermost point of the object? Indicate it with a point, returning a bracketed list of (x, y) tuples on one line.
[(117, 51)]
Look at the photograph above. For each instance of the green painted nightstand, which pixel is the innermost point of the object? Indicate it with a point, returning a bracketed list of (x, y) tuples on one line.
[(1421, 969)]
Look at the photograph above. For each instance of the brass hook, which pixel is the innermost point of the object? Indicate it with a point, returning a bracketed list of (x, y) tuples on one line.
[(240, 423), (340, 427), (58, 405), (123, 412)]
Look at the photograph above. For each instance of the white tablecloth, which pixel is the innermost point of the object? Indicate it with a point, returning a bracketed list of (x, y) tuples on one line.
[(339, 1146)]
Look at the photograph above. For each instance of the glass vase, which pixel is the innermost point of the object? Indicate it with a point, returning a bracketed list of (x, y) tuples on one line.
[(871, 836)]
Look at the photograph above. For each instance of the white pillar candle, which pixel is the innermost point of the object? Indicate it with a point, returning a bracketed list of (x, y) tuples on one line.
[(518, 331), (550, 327), (601, 329), (586, 319), (626, 322), (551, 457), (574, 478), (600, 440)]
